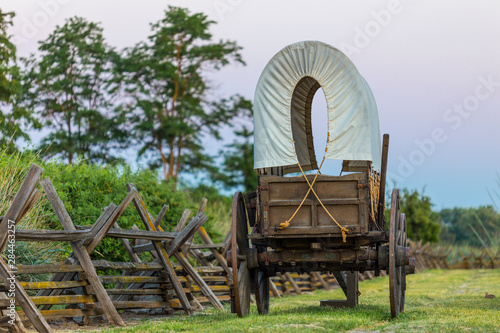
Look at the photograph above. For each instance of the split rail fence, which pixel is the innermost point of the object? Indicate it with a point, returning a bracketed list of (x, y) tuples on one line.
[(84, 288)]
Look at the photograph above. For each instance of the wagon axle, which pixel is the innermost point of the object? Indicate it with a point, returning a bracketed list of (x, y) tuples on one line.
[(343, 259)]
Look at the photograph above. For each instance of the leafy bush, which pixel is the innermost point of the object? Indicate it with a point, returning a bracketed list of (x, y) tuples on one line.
[(471, 226), (86, 189)]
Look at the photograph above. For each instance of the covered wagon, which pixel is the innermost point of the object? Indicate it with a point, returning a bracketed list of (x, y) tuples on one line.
[(316, 222)]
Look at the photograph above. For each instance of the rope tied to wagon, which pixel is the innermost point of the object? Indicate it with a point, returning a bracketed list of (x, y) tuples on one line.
[(286, 224)]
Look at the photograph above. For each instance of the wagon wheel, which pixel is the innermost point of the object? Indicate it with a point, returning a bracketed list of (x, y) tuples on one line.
[(261, 286), (397, 274), (239, 247)]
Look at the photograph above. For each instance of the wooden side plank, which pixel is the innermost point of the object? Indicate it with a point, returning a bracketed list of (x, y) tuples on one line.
[(82, 254)]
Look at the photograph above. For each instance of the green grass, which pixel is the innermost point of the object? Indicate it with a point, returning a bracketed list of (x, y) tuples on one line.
[(436, 301)]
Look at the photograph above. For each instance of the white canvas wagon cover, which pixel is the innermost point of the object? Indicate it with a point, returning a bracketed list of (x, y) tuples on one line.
[(282, 109)]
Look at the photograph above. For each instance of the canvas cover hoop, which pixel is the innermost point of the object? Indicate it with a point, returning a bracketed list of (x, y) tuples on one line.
[(282, 110)]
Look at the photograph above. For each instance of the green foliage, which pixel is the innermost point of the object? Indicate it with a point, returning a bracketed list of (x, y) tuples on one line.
[(422, 222), (14, 119), (459, 222), (86, 189), (71, 88), (238, 163), (171, 112)]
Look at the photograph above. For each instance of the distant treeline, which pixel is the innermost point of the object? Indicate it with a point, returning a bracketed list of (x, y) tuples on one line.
[(94, 100)]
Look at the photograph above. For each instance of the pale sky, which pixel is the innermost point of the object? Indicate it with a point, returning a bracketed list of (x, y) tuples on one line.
[(433, 67)]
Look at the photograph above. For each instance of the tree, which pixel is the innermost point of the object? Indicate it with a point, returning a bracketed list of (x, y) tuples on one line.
[(237, 167), (459, 222), (14, 119), (72, 90), (422, 222), (170, 112)]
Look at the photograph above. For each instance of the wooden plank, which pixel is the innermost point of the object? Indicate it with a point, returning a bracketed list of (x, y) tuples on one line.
[(23, 299), (273, 289), (183, 220), (222, 261), (162, 212), (324, 284), (131, 279), (66, 299), (184, 235), (138, 292), (205, 289), (18, 326), (292, 283), (31, 235), (150, 247), (44, 269), (64, 313), (19, 202), (131, 266), (142, 234), (82, 254), (141, 305), (30, 203), (52, 285), (164, 258), (214, 288)]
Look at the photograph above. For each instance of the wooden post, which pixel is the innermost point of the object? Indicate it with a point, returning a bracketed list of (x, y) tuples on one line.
[(205, 289), (18, 326), (20, 202), (383, 175), (160, 250), (222, 261), (273, 288), (324, 284), (23, 299), (82, 254), (294, 285)]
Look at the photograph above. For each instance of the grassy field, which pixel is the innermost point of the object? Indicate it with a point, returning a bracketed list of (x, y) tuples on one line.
[(436, 301)]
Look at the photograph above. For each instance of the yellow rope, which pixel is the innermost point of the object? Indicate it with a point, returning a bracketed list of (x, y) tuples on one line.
[(285, 224), (374, 193)]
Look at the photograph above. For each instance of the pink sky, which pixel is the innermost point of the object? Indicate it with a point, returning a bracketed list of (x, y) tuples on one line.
[(434, 68)]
